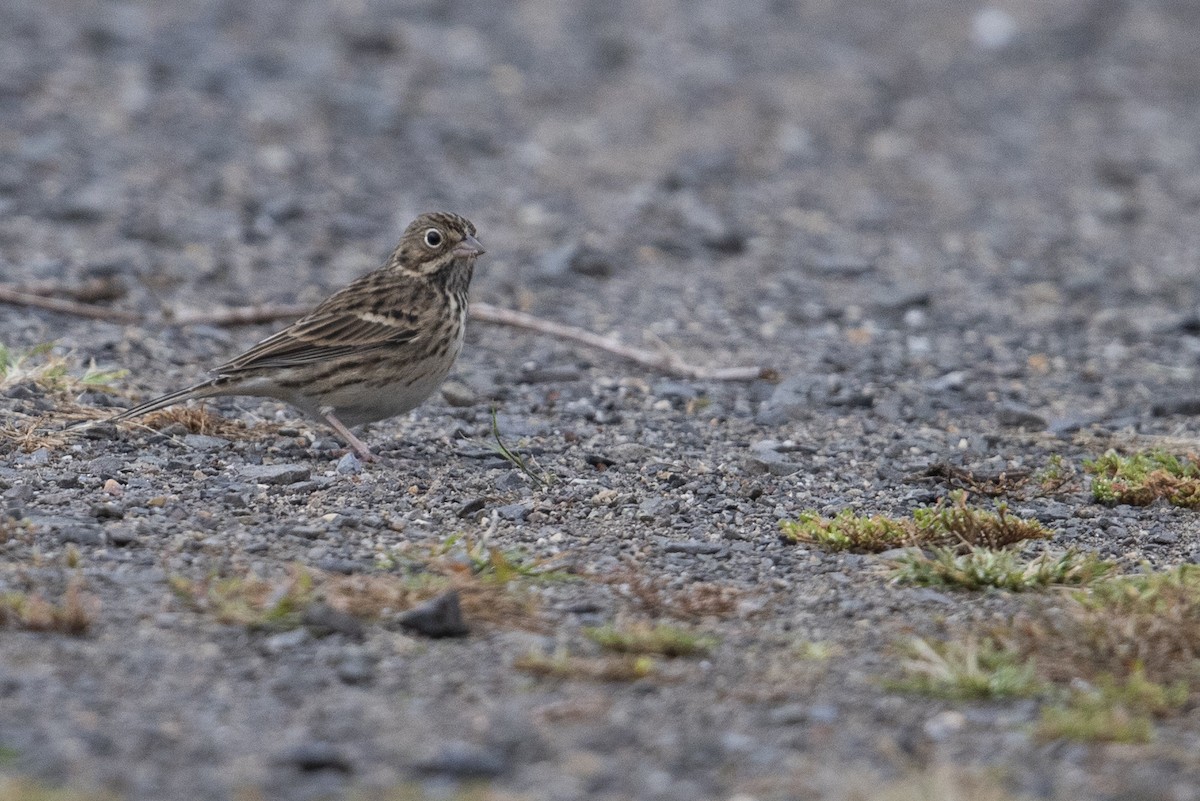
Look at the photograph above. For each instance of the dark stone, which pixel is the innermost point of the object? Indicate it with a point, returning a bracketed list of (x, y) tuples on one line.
[(1017, 416), (202, 442), (317, 755), (1169, 406), (438, 617), (693, 547), (105, 467), (344, 566), (322, 619), (471, 507), (514, 512), (108, 511)]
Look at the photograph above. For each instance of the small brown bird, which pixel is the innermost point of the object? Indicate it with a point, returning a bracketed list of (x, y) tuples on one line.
[(373, 350)]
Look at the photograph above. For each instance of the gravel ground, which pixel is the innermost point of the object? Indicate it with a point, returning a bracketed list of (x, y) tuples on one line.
[(963, 234)]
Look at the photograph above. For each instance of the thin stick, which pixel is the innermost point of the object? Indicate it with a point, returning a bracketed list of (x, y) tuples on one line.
[(237, 315), (91, 311), (664, 360)]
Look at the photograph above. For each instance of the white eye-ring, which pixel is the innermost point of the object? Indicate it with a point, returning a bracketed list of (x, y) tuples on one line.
[(433, 238)]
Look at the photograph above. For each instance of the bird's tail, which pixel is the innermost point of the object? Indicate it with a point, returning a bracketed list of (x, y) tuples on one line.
[(205, 389)]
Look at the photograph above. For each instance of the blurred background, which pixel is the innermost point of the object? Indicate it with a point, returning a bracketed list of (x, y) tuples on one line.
[(775, 179)]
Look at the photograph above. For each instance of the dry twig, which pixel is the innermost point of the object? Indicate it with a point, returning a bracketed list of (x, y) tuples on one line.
[(662, 360)]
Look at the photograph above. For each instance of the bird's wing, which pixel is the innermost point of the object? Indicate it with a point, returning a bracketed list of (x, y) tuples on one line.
[(326, 334)]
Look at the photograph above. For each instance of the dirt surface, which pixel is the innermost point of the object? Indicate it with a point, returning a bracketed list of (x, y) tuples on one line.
[(965, 235)]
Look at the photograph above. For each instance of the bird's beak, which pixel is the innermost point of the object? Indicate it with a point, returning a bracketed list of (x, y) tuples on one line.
[(469, 247)]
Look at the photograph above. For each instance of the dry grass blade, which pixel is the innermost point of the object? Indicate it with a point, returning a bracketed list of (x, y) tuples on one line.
[(1148, 622), (565, 666), (73, 614)]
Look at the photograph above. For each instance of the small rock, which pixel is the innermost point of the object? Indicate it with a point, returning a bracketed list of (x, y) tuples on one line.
[(464, 760), (81, 534), (578, 259), (203, 442), (1189, 405), (471, 507), (693, 547), (108, 511), (349, 465), (823, 713), (105, 467), (285, 641), (458, 394), (653, 508), (953, 380), (791, 714), (514, 512), (1017, 416), (674, 391), (122, 535), (322, 619), (511, 479), (933, 596), (355, 667), (1165, 538), (944, 725), (438, 617), (278, 474), (773, 463), (344, 566), (551, 374), (317, 755), (791, 399), (307, 532)]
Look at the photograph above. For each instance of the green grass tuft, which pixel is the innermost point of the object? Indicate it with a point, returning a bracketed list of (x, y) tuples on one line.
[(1141, 479), (643, 638), (982, 568), (1120, 711), (51, 372), (973, 669), (950, 524)]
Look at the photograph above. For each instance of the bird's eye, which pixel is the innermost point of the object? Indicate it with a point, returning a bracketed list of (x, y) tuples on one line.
[(433, 238)]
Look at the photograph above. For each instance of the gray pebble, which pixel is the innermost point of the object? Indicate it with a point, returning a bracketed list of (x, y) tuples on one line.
[(203, 442), (355, 667), (514, 512), (323, 619), (693, 547), (105, 466), (464, 760), (349, 465), (285, 641), (279, 474), (773, 463), (459, 395)]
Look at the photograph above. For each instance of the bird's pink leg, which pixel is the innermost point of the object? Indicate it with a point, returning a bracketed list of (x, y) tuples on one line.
[(354, 442)]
